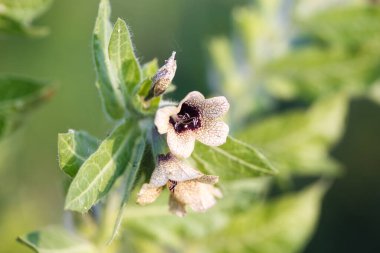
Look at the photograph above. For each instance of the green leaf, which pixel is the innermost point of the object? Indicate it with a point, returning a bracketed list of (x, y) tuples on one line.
[(129, 180), (234, 159), (123, 58), (313, 72), (283, 225), (21, 94), (346, 27), (150, 68), (299, 141), (74, 148), (16, 16), (56, 240), (98, 173), (3, 125), (107, 79), (347, 59), (176, 233), (142, 90)]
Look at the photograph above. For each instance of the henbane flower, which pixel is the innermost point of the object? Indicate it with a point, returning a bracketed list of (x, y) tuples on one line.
[(195, 118), (187, 186)]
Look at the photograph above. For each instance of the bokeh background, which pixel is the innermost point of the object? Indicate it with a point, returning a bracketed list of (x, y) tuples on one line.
[(30, 180)]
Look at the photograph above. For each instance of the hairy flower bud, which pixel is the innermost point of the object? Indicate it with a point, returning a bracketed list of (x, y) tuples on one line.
[(163, 78)]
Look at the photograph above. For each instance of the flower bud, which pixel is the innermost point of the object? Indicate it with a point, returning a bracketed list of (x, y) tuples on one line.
[(163, 78)]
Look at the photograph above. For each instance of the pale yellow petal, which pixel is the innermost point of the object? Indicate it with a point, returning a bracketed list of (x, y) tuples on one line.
[(198, 196), (148, 194), (159, 176), (176, 207), (180, 144), (162, 118), (178, 170)]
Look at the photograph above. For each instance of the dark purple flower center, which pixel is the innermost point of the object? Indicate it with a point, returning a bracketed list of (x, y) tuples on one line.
[(187, 119), (164, 157), (171, 185)]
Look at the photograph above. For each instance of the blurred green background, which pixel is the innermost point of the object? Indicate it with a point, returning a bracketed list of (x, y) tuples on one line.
[(31, 190)]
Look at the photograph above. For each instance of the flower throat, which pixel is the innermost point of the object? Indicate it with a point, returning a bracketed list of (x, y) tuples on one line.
[(187, 119)]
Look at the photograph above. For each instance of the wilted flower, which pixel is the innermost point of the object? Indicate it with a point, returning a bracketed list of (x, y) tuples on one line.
[(199, 196), (194, 118), (163, 78), (187, 186)]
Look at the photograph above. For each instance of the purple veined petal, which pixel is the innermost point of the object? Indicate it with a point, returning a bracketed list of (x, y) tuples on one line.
[(194, 98), (215, 107), (177, 170), (213, 133)]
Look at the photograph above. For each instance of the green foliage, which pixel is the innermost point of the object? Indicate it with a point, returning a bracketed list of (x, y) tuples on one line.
[(307, 71), (343, 55), (74, 148), (16, 16), (119, 72), (107, 83), (129, 180), (18, 96), (56, 239), (233, 160), (282, 225), (123, 59), (298, 141), (98, 173)]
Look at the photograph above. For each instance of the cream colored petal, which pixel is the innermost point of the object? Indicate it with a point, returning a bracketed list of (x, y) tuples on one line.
[(162, 118), (208, 179), (159, 176), (215, 107), (198, 196), (217, 193), (194, 98), (178, 170), (176, 207), (180, 144), (205, 200), (212, 133), (148, 194)]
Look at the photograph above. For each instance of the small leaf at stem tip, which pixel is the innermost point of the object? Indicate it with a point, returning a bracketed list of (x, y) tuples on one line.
[(107, 83), (123, 58)]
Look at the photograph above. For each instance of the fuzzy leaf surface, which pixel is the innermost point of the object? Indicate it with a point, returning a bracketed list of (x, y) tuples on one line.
[(123, 58), (98, 173), (107, 79), (74, 147), (234, 159)]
